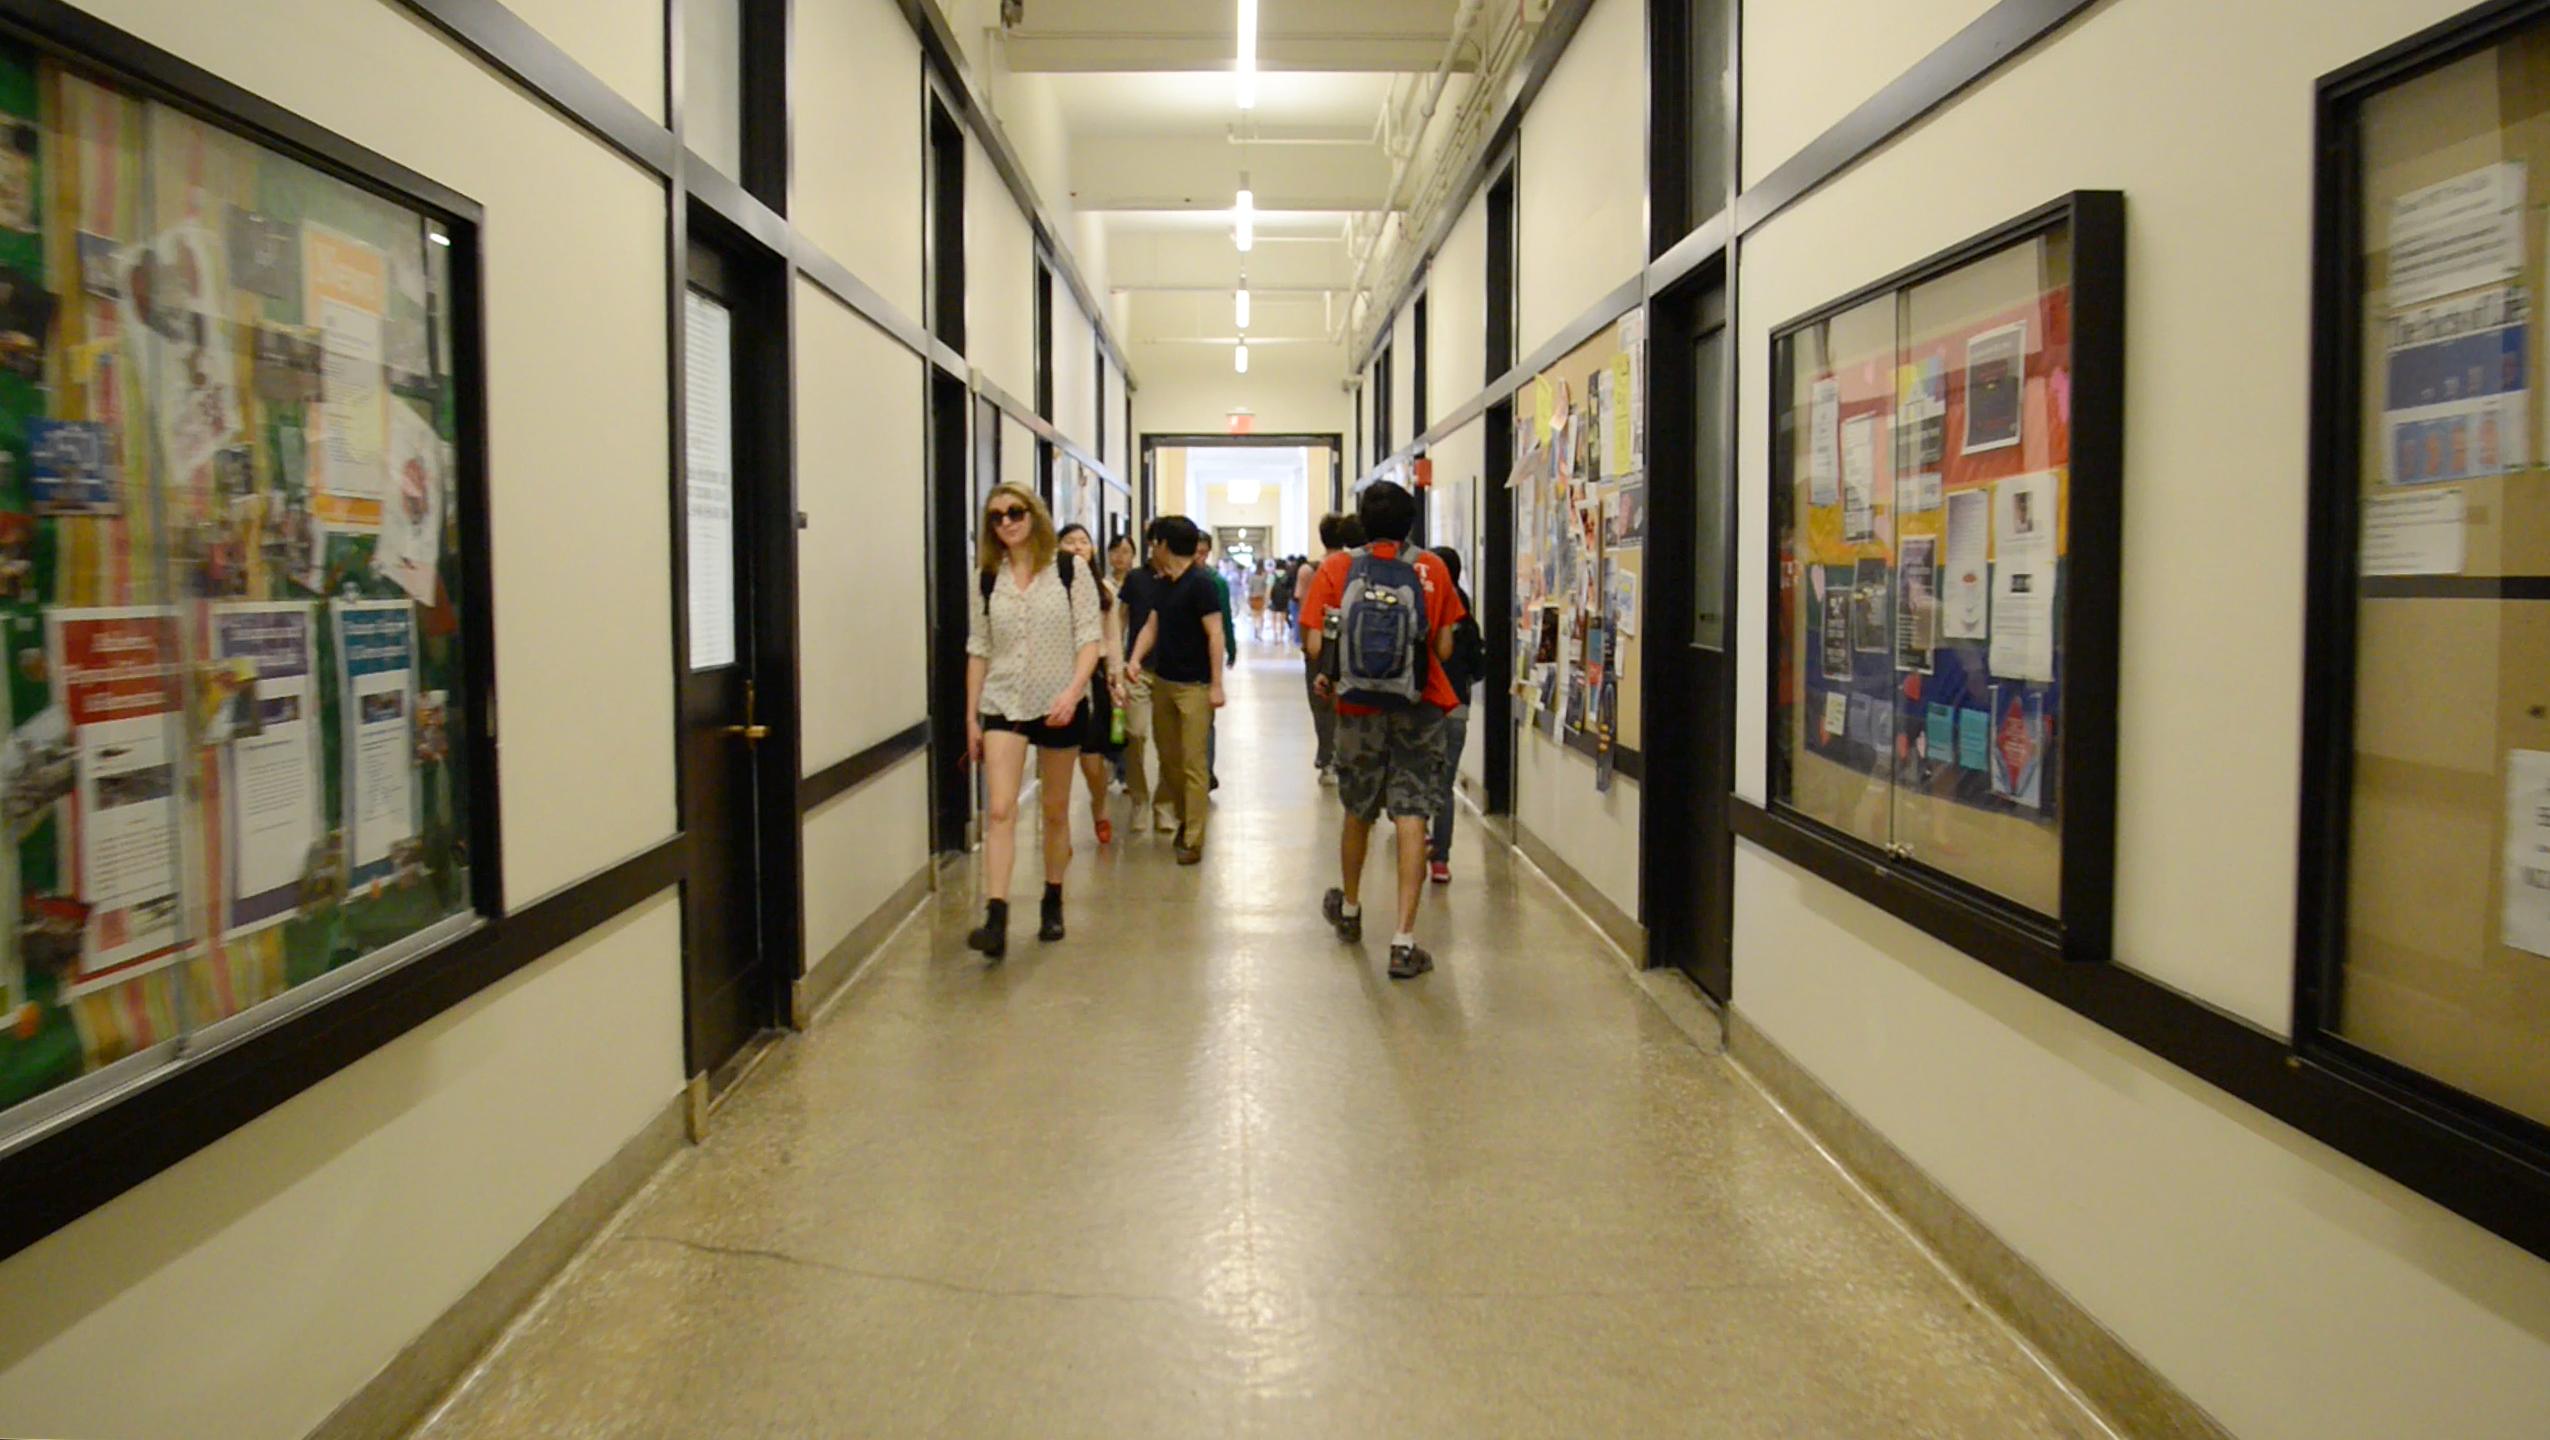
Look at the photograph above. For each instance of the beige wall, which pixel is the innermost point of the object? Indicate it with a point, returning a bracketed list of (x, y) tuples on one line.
[(1000, 279), (2293, 1292), (861, 561), (620, 40), (1582, 191), (1807, 66), (857, 150), (1075, 370), (861, 847), (1456, 315), (1190, 389)]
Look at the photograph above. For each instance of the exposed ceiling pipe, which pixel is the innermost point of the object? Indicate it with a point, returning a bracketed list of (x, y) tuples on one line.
[(1403, 160)]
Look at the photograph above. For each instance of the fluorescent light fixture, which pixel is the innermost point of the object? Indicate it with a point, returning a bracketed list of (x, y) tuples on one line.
[(1245, 209), (1246, 492), (1247, 66), (438, 237), (1239, 306), (1239, 359)]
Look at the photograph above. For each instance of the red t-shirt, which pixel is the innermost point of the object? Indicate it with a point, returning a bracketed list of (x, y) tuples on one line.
[(1443, 611)]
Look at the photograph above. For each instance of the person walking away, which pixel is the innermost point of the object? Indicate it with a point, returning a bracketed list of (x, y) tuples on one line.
[(1279, 598), (1031, 646), (1396, 609), (1182, 650), (1230, 638), (1259, 587), (1134, 584), (1337, 533), (1101, 749), (1463, 667)]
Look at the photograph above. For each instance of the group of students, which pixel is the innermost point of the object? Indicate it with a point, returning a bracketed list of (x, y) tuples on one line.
[(1084, 668)]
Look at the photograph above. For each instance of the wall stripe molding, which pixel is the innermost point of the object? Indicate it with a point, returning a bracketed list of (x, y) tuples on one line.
[(835, 780), (506, 41)]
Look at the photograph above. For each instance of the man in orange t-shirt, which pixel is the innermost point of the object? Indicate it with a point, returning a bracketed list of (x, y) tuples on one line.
[(1390, 759)]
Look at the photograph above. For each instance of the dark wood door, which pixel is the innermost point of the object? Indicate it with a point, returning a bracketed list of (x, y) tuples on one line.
[(729, 973)]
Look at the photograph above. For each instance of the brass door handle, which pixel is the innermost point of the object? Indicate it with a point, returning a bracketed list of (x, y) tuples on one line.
[(752, 733)]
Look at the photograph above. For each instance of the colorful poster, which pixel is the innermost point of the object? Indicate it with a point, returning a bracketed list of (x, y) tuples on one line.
[(1996, 379), (1974, 739), (2455, 389), (1626, 514), (376, 670), (117, 671), (346, 295), (270, 769), (74, 468), (2018, 744), (412, 519)]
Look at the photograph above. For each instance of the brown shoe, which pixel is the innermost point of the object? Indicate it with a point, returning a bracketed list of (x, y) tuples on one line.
[(1190, 854)]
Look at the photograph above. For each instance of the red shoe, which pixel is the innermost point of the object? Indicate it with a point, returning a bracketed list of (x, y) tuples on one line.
[(1440, 872), (1106, 832)]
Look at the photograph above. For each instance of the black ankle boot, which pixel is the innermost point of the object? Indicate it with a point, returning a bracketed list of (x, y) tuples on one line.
[(992, 936), (1052, 928)]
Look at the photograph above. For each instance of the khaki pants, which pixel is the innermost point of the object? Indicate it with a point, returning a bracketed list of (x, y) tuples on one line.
[(1182, 726)]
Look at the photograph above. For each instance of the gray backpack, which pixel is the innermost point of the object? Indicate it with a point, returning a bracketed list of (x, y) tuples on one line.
[(1381, 632)]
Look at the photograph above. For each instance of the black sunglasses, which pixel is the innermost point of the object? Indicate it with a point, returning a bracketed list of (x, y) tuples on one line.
[(1007, 513)]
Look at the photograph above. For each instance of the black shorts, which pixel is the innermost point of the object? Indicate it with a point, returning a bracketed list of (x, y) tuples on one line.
[(1042, 735)]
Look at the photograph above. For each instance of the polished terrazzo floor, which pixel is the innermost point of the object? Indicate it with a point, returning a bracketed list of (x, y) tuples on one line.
[(1199, 1170)]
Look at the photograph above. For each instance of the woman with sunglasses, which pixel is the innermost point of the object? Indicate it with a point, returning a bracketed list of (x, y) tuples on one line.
[(1031, 645), (1100, 750)]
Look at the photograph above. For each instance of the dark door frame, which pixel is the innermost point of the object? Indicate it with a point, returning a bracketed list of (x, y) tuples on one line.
[(1207, 440), (948, 494), (758, 287), (1495, 564)]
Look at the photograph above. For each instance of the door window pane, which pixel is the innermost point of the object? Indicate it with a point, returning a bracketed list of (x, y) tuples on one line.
[(708, 446), (2447, 915), (1710, 97), (229, 581), (1709, 497)]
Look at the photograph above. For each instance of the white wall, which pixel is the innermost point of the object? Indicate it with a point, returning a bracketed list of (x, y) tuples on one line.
[(1582, 191), (1456, 313), (1119, 441), (1075, 370), (861, 574), (858, 143), (1189, 389), (1454, 518), (1018, 457), (2291, 1291), (1000, 279), (1880, 40)]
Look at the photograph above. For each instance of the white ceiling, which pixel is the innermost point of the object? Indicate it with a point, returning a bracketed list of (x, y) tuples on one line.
[(1198, 103)]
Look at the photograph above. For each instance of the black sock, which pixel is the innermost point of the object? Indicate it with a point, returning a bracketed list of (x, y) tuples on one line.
[(1053, 892)]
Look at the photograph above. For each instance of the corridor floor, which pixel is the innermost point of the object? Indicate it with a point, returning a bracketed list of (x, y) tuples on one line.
[(1200, 1170)]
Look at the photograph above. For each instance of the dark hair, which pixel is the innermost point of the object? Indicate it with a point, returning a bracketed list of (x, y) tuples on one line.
[(1178, 533), (1451, 559), (1340, 531), (1388, 513)]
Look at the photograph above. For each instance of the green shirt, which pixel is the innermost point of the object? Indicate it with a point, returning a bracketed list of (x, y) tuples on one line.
[(1230, 622)]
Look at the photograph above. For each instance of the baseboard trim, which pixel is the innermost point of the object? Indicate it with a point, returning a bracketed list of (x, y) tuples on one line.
[(825, 978), (1617, 925), (392, 1402), (2129, 1394)]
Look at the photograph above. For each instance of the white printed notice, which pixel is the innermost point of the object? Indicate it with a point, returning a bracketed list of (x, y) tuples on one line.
[(2527, 879), (1824, 465), (270, 769), (171, 302), (709, 473), (412, 514), (345, 293), (376, 671), (2023, 578), (118, 675), (2455, 388), (2420, 533), (2458, 234), (1859, 478), (1965, 570)]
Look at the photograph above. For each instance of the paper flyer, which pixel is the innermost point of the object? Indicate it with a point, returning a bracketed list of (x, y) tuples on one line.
[(1966, 568), (2023, 578), (376, 666), (117, 671), (1921, 414), (1939, 736), (2457, 234), (2419, 533), (1824, 464), (2455, 389), (1859, 478), (1837, 716), (1996, 383), (269, 778), (1974, 739), (345, 297), (2526, 920), (1916, 603), (174, 294), (412, 515), (1872, 599), (75, 471), (1837, 633)]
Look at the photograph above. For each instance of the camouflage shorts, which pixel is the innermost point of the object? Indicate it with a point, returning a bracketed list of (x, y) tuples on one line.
[(1395, 759)]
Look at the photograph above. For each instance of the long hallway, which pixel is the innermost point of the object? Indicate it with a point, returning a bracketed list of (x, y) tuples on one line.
[(1201, 1170)]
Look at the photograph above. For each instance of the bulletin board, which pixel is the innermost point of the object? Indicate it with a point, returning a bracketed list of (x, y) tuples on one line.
[(1580, 521)]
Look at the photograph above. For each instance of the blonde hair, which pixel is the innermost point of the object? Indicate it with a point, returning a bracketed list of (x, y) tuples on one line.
[(1041, 543)]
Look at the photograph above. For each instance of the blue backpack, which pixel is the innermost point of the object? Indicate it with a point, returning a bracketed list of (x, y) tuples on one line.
[(1381, 632)]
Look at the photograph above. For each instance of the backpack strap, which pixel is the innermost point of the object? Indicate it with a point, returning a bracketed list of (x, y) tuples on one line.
[(991, 579)]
